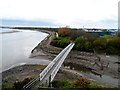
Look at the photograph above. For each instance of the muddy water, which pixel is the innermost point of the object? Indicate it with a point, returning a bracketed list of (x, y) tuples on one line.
[(16, 47)]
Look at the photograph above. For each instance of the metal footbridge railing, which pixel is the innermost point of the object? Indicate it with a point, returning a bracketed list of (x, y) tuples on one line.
[(48, 74)]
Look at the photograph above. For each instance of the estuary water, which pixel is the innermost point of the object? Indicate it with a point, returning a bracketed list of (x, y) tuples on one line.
[(16, 46)]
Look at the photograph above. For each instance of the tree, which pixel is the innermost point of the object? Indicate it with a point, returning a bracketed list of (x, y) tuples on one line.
[(64, 31), (76, 33)]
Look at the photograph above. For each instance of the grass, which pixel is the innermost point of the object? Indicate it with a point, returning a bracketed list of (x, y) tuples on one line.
[(66, 84), (39, 66), (96, 86), (8, 86)]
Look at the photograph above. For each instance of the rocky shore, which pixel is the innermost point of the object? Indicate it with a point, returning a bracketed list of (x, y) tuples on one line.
[(98, 64)]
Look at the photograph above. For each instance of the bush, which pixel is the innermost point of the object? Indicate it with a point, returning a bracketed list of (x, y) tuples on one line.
[(61, 42), (64, 31), (91, 37), (18, 85), (100, 44), (82, 82), (107, 45), (82, 44), (75, 34), (113, 45), (114, 42)]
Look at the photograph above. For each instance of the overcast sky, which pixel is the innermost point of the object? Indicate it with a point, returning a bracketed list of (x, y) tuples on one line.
[(74, 13)]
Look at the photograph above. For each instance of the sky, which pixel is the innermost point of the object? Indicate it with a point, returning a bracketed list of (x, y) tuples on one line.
[(72, 13)]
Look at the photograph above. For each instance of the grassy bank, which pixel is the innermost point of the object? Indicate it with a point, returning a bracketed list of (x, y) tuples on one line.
[(87, 42), (64, 84), (15, 78), (80, 83)]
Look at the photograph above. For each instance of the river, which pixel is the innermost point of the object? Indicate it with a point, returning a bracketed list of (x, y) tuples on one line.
[(16, 46)]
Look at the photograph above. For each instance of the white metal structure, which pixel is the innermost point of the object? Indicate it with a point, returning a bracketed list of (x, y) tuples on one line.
[(48, 74)]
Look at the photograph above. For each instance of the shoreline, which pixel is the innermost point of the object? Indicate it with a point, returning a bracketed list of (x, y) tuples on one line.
[(44, 49)]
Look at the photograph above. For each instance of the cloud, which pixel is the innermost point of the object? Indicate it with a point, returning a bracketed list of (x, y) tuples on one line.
[(107, 23), (61, 11), (14, 22), (119, 15)]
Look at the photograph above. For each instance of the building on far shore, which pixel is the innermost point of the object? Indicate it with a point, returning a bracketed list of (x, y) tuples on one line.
[(101, 32)]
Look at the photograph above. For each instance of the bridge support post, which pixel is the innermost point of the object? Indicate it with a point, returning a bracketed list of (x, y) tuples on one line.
[(50, 83), (61, 68)]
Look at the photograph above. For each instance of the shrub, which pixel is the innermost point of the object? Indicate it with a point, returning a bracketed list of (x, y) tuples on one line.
[(60, 42), (82, 82), (63, 31), (114, 42), (113, 45), (75, 34), (100, 44), (82, 44), (91, 37), (18, 85), (107, 45)]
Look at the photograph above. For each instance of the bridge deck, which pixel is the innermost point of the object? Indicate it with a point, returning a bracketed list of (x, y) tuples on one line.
[(48, 74)]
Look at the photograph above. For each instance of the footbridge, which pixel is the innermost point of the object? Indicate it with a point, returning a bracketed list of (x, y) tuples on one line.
[(47, 75)]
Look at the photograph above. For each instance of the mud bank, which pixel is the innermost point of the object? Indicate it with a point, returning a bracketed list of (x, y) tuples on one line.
[(98, 63)]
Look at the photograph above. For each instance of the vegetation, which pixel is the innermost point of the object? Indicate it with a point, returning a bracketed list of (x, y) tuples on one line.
[(60, 42), (119, 34), (80, 83), (39, 66), (108, 45), (62, 84), (82, 44), (18, 85), (64, 31), (8, 86), (87, 42)]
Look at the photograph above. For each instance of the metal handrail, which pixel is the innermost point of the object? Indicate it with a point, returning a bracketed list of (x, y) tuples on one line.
[(49, 67), (45, 71)]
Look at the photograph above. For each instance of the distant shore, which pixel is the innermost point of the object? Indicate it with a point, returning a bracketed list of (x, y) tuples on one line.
[(14, 31)]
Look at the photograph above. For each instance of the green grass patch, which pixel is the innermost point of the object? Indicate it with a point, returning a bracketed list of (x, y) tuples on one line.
[(97, 86), (39, 66), (8, 86), (62, 84)]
